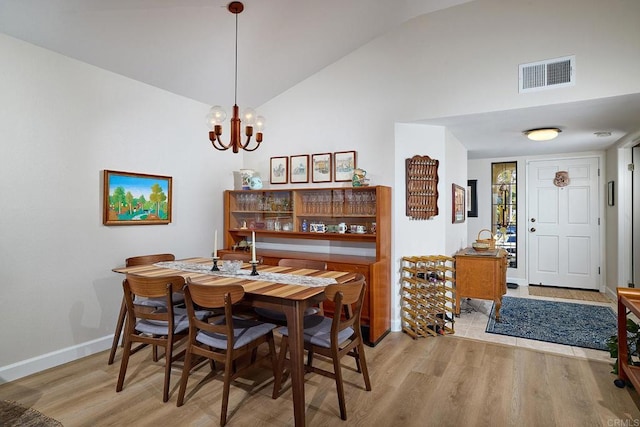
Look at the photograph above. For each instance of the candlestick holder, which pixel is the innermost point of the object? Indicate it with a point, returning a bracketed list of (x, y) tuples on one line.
[(215, 264), (254, 270)]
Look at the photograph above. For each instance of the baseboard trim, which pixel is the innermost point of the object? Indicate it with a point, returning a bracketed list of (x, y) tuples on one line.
[(37, 364)]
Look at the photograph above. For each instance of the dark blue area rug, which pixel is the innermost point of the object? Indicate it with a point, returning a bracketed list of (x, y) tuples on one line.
[(579, 325)]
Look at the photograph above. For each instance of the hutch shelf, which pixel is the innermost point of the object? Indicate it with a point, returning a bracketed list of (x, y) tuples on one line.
[(359, 215)]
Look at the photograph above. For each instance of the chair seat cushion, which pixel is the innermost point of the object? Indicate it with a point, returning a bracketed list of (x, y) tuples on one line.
[(317, 331), (244, 332), (180, 322), (279, 315)]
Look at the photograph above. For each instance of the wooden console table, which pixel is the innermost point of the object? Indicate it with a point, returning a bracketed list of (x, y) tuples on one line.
[(481, 275), (628, 299)]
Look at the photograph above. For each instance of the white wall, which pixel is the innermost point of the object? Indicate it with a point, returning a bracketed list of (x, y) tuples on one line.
[(455, 173), (62, 123), (436, 236), (611, 223)]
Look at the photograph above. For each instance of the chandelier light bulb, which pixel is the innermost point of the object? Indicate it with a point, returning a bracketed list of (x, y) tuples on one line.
[(260, 123), (249, 117), (216, 116)]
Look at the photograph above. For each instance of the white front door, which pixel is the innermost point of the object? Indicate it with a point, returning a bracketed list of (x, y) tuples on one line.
[(562, 224)]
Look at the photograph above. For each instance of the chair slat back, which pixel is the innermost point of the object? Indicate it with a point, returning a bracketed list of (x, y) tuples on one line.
[(151, 287), (348, 298), (303, 263), (212, 297), (148, 259)]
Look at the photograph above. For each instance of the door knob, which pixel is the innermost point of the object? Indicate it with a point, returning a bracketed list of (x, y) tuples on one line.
[(533, 220), (532, 230)]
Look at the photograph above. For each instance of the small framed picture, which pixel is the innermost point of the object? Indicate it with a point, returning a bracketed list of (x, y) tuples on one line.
[(321, 167), (611, 198), (457, 204), (299, 168), (344, 163), (279, 170)]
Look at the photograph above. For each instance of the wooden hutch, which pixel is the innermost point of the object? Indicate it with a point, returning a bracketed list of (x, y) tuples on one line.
[(313, 214)]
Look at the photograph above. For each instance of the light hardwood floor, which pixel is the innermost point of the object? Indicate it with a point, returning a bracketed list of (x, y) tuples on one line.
[(440, 381)]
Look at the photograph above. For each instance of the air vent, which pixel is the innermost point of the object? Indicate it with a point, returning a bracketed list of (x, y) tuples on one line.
[(548, 74)]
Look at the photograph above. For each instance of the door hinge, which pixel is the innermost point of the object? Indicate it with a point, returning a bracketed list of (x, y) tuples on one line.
[(598, 270), (630, 167), (598, 221), (598, 171), (632, 285)]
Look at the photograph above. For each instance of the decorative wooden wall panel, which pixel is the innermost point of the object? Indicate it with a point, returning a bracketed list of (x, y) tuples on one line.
[(422, 187)]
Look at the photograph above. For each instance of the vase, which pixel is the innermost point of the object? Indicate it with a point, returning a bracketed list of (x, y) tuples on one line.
[(246, 175)]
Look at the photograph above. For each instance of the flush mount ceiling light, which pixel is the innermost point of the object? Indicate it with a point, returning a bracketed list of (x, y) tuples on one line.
[(542, 134)]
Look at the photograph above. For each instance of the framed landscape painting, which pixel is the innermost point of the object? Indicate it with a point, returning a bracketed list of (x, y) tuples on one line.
[(299, 168), (344, 163), (321, 167), (136, 198), (279, 170)]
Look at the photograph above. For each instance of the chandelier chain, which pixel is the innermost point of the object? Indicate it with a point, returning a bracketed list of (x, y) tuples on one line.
[(235, 94)]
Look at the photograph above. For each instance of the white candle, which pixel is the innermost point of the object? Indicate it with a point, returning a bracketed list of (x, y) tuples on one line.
[(215, 245), (253, 247)]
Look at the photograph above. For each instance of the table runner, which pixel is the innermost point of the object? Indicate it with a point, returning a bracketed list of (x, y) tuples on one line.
[(264, 276)]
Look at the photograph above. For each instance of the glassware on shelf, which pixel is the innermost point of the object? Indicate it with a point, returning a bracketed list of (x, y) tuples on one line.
[(372, 209), (338, 202), (358, 206), (306, 200), (349, 201), (313, 198)]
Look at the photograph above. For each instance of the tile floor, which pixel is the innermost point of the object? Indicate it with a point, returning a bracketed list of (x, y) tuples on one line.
[(475, 314)]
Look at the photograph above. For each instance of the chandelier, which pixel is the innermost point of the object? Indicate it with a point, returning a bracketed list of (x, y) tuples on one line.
[(217, 114)]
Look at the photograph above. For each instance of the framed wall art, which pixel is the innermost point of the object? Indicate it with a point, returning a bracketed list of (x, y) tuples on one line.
[(472, 198), (136, 198), (457, 204), (279, 170), (611, 198), (299, 168), (321, 167), (344, 163)]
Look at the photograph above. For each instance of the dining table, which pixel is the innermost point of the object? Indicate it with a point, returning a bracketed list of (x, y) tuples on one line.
[(288, 289)]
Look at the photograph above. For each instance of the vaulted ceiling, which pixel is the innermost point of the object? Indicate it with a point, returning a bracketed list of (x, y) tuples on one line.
[(187, 47)]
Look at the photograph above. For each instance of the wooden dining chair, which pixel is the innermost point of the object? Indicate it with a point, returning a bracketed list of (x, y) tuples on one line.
[(161, 326), (224, 339), (279, 317), (333, 338), (178, 298)]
